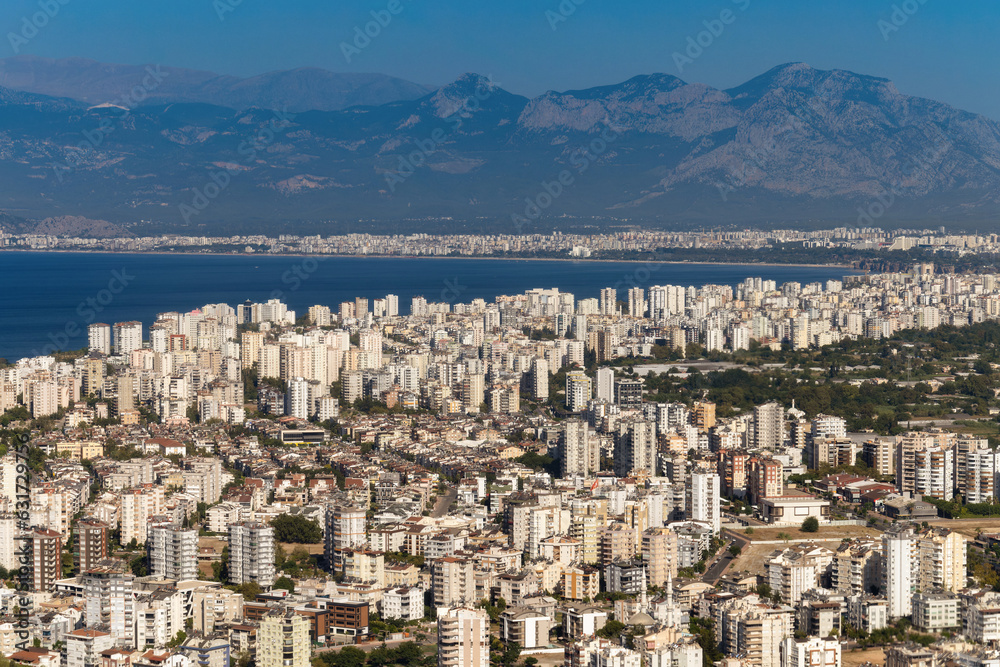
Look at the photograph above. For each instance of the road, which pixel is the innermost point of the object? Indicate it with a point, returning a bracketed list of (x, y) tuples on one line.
[(714, 572), (441, 508)]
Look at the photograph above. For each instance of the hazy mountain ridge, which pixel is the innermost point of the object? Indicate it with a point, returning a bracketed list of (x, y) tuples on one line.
[(301, 89), (793, 144)]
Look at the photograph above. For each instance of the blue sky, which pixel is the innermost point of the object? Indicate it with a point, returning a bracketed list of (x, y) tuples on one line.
[(943, 50)]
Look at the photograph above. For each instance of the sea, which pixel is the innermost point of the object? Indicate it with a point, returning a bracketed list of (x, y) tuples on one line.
[(49, 298)]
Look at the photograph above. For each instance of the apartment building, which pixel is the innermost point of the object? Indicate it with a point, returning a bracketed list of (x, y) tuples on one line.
[(463, 637), (251, 553)]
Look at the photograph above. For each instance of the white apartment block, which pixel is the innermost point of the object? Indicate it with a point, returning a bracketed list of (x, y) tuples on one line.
[(251, 553), (703, 499), (810, 652), (173, 553), (405, 603)]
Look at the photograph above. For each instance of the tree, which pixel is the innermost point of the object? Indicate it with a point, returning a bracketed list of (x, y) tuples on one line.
[(296, 529), (511, 655), (611, 629), (349, 656), (138, 566), (810, 525), (178, 639), (249, 590), (285, 583)]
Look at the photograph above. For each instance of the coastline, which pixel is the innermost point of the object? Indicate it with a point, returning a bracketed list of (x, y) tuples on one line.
[(472, 257)]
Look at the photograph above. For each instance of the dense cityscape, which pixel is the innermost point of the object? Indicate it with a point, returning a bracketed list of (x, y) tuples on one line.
[(579, 246), (766, 476)]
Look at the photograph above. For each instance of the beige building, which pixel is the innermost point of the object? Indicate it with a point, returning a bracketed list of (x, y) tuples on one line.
[(617, 543), (755, 630), (525, 626), (581, 583), (212, 606), (463, 638), (659, 552), (453, 582), (138, 505), (401, 574), (584, 529), (942, 560), (365, 567), (283, 640)]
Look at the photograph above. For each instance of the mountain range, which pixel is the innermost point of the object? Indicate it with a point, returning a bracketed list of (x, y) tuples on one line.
[(302, 89), (795, 145)]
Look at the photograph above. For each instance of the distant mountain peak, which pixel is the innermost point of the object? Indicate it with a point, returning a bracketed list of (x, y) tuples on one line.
[(471, 92)]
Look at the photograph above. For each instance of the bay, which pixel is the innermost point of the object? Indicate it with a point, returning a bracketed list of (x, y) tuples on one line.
[(48, 298)]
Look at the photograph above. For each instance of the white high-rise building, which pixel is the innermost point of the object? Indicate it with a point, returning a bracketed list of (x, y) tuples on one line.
[(99, 338), (345, 529), (577, 391), (578, 453), (827, 426), (391, 305), (173, 553), (978, 480), (540, 380), (715, 340), (251, 553), (704, 498), (608, 301), (900, 572), (605, 384), (128, 337), (8, 546), (138, 505), (297, 403), (636, 302), (768, 425), (463, 637), (741, 338), (635, 448), (44, 398), (110, 600)]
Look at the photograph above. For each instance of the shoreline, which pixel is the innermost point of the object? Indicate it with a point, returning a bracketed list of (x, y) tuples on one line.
[(470, 257)]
